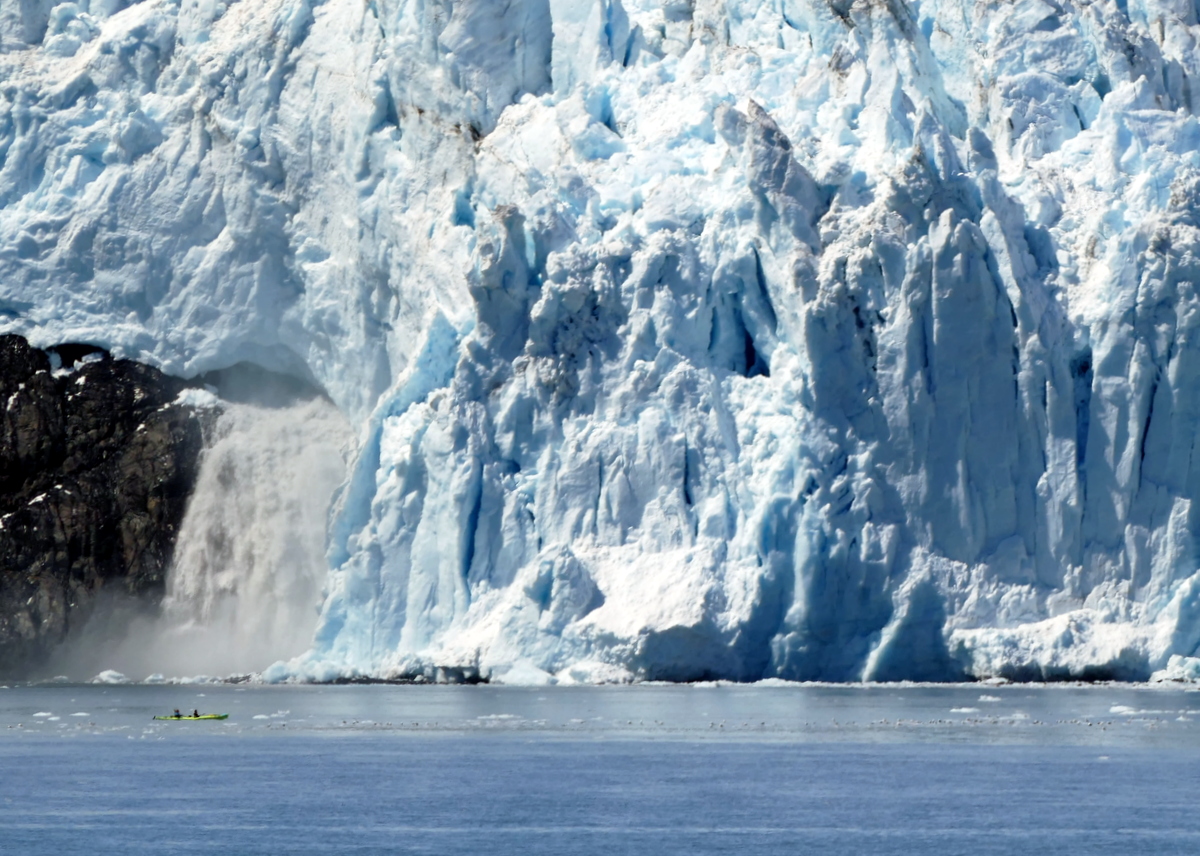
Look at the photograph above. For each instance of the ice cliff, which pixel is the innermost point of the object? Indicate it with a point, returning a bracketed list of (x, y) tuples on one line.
[(819, 339)]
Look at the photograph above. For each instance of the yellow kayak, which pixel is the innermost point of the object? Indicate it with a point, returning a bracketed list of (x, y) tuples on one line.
[(195, 718)]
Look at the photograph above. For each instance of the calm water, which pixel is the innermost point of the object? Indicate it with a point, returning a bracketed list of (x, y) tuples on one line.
[(604, 770)]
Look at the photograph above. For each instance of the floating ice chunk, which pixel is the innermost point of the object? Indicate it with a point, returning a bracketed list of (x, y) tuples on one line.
[(110, 676), (1125, 710)]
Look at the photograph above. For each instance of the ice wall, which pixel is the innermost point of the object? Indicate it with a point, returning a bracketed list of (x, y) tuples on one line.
[(809, 338)]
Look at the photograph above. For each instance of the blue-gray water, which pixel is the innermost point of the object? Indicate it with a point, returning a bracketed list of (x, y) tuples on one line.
[(604, 770)]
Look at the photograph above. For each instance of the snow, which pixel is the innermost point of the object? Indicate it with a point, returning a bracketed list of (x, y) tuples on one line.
[(683, 340)]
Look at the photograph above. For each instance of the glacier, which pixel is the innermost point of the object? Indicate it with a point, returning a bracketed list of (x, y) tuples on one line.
[(683, 339)]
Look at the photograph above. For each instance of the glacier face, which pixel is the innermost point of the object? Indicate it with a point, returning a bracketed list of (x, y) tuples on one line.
[(818, 339)]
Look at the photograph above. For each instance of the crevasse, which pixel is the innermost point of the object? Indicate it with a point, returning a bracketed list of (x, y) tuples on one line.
[(818, 339)]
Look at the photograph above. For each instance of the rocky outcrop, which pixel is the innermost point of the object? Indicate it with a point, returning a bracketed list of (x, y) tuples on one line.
[(97, 460)]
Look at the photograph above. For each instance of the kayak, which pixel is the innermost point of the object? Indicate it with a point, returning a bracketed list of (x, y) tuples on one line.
[(194, 718)]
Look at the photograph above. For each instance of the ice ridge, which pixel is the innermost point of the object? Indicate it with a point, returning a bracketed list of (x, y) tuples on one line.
[(811, 339)]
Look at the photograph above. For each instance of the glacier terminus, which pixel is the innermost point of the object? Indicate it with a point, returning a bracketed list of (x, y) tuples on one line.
[(680, 339)]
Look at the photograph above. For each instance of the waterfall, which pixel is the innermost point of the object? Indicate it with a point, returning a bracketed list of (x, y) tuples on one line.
[(245, 584), (246, 581)]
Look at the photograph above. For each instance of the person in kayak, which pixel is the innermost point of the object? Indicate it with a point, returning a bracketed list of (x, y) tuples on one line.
[(196, 714), (177, 713)]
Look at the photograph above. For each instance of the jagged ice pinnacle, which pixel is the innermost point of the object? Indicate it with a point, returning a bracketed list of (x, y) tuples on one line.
[(818, 339)]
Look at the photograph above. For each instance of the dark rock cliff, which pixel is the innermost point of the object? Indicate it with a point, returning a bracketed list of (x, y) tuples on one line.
[(96, 466)]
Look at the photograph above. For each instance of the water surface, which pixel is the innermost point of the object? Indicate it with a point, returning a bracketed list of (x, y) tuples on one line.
[(599, 770)]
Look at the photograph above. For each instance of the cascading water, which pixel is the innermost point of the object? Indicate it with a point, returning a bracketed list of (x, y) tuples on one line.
[(246, 580), (250, 560)]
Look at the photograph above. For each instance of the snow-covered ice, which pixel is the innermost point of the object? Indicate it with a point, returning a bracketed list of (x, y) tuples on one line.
[(683, 338)]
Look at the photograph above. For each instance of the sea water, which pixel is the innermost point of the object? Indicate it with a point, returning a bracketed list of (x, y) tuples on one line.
[(600, 770)]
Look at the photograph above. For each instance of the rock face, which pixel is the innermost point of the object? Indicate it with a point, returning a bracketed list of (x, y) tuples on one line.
[(96, 465)]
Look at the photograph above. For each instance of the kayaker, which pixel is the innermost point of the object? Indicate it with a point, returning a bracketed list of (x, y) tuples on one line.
[(196, 714), (177, 713)]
